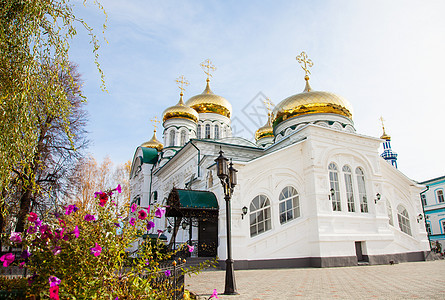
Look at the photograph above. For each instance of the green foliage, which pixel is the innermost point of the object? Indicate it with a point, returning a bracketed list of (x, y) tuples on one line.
[(116, 272), (34, 44)]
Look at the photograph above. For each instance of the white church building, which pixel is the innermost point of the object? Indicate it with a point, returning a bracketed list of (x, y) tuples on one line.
[(311, 191)]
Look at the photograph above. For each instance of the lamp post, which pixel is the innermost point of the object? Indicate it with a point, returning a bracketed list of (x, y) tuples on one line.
[(227, 175)]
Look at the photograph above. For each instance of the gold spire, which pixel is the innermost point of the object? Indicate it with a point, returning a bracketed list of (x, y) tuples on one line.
[(269, 106), (207, 64), (153, 142), (384, 135), (305, 63), (267, 129)]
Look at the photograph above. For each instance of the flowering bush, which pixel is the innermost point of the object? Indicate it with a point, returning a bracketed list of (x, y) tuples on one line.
[(80, 254)]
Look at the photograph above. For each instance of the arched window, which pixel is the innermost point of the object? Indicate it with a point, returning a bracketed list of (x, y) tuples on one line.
[(439, 194), (333, 180), (183, 137), (349, 190), (172, 138), (259, 215), (403, 217), (362, 190), (207, 133), (389, 210), (289, 204), (198, 132), (216, 132)]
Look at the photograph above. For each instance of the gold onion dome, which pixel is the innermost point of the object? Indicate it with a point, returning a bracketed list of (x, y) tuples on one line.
[(180, 110), (153, 143), (265, 131), (208, 102), (311, 102)]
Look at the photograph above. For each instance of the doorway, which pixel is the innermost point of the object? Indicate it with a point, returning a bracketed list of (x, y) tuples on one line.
[(359, 251), (207, 239)]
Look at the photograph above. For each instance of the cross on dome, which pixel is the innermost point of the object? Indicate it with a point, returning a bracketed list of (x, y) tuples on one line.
[(155, 121), (181, 81), (268, 105), (305, 63), (207, 64)]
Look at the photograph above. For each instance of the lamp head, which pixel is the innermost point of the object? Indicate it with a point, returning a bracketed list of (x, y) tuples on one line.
[(221, 165), (244, 210)]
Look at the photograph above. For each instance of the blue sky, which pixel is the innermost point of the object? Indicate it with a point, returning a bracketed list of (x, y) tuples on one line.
[(385, 57)]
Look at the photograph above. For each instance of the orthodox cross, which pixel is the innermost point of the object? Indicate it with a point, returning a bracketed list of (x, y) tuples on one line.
[(155, 121), (305, 62), (268, 105), (181, 81), (383, 125), (207, 64)]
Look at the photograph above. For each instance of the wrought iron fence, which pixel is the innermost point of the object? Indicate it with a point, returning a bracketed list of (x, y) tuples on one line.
[(170, 277)]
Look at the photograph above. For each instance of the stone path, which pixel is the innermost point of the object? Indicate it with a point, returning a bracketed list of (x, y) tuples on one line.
[(418, 280)]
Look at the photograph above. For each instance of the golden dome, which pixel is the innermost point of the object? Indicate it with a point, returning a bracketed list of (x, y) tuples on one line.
[(311, 102), (180, 110), (208, 102), (153, 143), (265, 131)]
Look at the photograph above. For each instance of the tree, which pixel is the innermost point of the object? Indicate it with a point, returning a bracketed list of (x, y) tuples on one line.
[(57, 149), (34, 43), (89, 177)]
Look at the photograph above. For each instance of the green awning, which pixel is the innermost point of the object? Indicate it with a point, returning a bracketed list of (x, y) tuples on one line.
[(149, 155), (197, 199)]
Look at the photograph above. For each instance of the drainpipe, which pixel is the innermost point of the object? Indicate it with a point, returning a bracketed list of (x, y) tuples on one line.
[(199, 157), (424, 216)]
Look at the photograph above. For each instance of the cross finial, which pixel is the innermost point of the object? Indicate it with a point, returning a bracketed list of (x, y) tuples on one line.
[(155, 121), (181, 81), (208, 67), (306, 63), (269, 105), (383, 125)]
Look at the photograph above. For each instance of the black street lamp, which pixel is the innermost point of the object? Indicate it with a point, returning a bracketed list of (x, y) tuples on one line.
[(227, 175)]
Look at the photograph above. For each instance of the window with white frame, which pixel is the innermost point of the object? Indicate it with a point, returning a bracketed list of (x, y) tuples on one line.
[(389, 210), (216, 132), (333, 180), (428, 227), (260, 216), (349, 190), (423, 197), (289, 204), (207, 131), (403, 218), (198, 132), (439, 194), (183, 137), (443, 226), (362, 190), (172, 138)]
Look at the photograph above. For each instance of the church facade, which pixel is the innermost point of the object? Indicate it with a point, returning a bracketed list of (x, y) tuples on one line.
[(311, 191)]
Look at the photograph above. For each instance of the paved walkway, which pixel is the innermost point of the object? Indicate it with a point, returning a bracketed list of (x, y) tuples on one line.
[(419, 280)]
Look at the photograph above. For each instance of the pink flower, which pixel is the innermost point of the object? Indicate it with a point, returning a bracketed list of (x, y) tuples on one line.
[(96, 250), (32, 217), (119, 188), (133, 207), (214, 295), (132, 221), (160, 232), (191, 248), (53, 281), (70, 209), (76, 232), (7, 259), (16, 237), (54, 293), (150, 225), (22, 264), (97, 194), (167, 273), (89, 218), (160, 211), (142, 214)]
